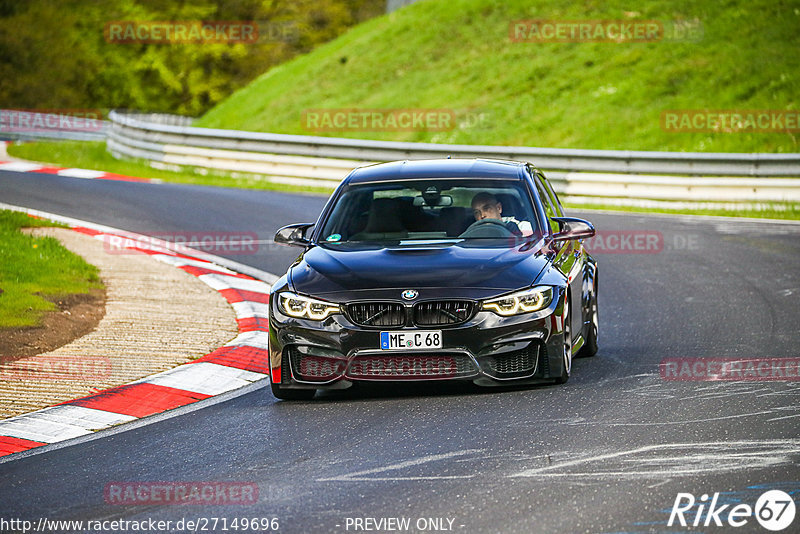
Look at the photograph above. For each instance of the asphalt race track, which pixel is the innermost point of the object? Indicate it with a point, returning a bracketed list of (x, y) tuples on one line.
[(607, 452)]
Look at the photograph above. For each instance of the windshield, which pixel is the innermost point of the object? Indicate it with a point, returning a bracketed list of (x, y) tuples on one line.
[(432, 210)]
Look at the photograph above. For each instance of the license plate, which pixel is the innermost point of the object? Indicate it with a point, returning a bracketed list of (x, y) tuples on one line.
[(415, 339)]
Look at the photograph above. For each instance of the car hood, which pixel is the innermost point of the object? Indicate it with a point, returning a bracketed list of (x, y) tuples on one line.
[(350, 271)]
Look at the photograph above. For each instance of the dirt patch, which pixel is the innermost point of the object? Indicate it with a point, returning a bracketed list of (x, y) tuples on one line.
[(77, 315)]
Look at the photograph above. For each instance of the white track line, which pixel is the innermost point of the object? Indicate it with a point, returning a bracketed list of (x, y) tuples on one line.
[(256, 338), (20, 166), (81, 173), (248, 309), (220, 282), (204, 377), (58, 423)]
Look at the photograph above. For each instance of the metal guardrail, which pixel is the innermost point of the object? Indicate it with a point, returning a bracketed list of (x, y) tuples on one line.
[(312, 160)]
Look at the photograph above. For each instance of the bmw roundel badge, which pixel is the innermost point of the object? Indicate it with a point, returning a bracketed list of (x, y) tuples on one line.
[(410, 294)]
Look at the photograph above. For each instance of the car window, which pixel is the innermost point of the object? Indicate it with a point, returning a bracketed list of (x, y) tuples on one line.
[(547, 202), (430, 209), (552, 194)]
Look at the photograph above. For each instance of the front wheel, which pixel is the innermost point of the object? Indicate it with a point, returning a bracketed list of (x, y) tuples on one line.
[(590, 347), (566, 364), (292, 394)]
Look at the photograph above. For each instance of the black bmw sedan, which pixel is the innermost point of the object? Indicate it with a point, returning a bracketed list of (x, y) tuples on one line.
[(446, 269)]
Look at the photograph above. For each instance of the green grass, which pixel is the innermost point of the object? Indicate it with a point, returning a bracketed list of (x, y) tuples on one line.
[(33, 269), (456, 54), (93, 155)]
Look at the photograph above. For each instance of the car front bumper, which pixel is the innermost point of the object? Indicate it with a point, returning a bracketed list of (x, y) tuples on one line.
[(487, 350)]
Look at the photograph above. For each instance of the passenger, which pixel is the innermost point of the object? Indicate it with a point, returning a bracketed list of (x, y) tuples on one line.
[(486, 206)]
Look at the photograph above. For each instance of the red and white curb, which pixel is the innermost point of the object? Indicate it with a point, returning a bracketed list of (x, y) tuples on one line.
[(240, 362), (86, 174)]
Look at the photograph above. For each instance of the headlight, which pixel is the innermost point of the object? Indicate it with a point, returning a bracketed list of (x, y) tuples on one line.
[(527, 301), (305, 307)]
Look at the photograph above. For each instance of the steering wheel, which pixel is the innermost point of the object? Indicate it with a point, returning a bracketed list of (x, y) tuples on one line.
[(487, 228)]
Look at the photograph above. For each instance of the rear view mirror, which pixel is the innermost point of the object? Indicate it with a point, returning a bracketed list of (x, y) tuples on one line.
[(573, 228), (443, 201), (293, 235)]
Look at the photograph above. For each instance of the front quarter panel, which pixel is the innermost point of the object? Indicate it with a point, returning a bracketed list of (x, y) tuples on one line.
[(274, 347)]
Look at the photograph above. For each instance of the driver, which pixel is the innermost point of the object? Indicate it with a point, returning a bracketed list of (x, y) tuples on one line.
[(486, 206)]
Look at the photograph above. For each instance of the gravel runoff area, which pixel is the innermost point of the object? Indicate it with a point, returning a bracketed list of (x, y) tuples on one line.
[(157, 317)]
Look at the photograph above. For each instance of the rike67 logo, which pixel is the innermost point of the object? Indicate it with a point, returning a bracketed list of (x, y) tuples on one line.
[(774, 510)]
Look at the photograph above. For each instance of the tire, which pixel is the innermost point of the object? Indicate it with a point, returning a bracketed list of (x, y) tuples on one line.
[(589, 348), (566, 362), (292, 394)]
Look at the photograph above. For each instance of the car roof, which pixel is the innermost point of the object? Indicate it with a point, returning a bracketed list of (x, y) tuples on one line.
[(438, 168)]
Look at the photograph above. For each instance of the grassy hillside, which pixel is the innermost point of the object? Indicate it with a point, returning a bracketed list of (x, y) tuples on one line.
[(457, 54)]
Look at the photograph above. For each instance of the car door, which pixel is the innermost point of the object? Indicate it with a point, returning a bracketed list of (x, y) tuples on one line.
[(569, 257)]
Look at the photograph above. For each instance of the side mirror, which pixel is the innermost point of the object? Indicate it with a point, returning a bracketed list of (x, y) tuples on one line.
[(573, 228), (294, 235)]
